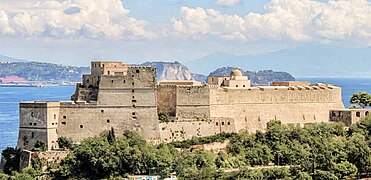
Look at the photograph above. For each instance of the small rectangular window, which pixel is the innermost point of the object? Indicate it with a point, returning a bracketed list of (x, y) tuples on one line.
[(32, 134), (134, 101), (64, 123), (64, 117), (132, 83), (137, 70), (223, 123), (217, 123), (124, 81), (102, 111), (133, 113), (108, 121), (81, 126), (229, 123), (135, 118), (30, 124), (111, 81), (34, 124), (132, 90)]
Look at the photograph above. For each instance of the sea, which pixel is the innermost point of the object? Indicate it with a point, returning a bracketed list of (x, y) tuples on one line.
[(10, 97)]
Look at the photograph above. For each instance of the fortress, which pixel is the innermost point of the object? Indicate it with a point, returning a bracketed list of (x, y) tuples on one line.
[(126, 97)]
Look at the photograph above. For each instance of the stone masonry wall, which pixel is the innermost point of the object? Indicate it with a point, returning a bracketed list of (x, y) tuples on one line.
[(193, 103), (253, 108), (166, 99), (81, 121)]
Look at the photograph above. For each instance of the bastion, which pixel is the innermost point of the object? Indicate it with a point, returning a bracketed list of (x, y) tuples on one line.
[(124, 97)]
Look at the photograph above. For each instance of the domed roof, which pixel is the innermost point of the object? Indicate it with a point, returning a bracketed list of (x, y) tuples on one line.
[(236, 72)]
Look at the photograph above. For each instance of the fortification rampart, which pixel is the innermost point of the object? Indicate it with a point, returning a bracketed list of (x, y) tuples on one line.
[(127, 97), (252, 108)]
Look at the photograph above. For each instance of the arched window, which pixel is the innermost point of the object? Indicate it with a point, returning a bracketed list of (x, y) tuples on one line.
[(358, 114), (367, 113)]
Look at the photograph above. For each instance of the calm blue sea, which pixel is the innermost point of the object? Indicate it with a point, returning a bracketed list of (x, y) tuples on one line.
[(11, 96)]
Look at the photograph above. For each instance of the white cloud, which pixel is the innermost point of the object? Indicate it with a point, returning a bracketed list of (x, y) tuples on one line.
[(227, 2), (301, 21), (70, 18)]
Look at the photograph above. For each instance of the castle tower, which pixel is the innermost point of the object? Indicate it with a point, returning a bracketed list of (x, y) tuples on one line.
[(38, 122)]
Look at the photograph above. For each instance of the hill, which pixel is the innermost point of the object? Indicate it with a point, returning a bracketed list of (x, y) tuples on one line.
[(310, 60), (43, 72), (10, 59), (265, 77)]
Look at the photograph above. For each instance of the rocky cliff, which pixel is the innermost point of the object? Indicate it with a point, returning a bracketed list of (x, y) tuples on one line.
[(265, 77), (173, 71)]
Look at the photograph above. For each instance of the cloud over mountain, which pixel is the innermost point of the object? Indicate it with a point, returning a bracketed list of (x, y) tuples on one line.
[(70, 18), (333, 22)]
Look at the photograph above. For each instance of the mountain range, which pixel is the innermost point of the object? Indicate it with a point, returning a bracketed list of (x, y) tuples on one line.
[(305, 61), (56, 73)]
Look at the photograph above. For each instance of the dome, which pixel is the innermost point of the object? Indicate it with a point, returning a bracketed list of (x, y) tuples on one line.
[(236, 72)]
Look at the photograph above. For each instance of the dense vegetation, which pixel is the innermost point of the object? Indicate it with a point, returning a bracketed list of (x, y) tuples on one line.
[(47, 72), (317, 151)]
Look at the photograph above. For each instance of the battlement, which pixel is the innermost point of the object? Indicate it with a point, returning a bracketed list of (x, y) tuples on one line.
[(291, 83), (180, 82)]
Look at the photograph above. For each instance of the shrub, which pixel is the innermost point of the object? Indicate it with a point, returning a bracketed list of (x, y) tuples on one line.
[(164, 117)]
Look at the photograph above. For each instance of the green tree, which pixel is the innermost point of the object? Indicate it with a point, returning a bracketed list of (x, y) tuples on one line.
[(65, 142), (363, 99), (164, 117), (324, 175), (345, 170), (250, 174), (11, 157), (359, 152)]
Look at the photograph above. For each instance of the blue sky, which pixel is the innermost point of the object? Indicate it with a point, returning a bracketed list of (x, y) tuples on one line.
[(75, 32)]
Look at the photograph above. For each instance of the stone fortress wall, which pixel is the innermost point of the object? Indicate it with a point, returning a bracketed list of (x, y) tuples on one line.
[(123, 98), (126, 97), (208, 110)]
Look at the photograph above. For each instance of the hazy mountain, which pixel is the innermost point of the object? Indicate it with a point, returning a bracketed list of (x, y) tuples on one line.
[(265, 77), (302, 61), (9, 59)]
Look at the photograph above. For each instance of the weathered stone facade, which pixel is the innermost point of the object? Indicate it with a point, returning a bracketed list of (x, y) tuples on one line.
[(126, 97), (348, 116)]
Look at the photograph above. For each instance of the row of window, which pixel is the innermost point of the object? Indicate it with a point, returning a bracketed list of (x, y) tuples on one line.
[(228, 123), (242, 86)]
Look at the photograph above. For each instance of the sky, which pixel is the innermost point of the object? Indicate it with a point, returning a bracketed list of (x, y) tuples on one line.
[(74, 32)]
